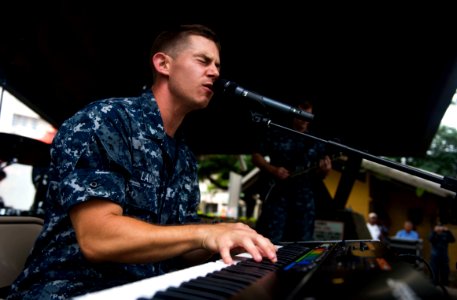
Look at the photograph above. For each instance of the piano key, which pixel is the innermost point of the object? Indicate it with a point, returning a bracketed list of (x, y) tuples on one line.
[(218, 289), (149, 286), (269, 267), (235, 286), (156, 286), (237, 269), (227, 275), (174, 295), (193, 293), (246, 271)]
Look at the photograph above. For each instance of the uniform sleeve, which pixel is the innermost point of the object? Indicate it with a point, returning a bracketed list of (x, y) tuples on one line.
[(91, 154)]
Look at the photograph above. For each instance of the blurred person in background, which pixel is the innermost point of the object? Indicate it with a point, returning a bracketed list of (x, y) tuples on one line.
[(407, 232), (440, 238)]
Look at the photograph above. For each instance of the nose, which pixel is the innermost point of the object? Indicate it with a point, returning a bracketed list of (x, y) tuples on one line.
[(214, 71)]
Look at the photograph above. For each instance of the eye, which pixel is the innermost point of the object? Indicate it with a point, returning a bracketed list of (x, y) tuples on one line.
[(204, 60)]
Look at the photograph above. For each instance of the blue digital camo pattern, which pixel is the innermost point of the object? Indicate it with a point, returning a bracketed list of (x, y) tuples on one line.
[(288, 208), (115, 149)]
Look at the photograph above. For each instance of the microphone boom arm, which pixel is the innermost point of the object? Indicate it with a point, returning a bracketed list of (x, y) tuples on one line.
[(445, 182)]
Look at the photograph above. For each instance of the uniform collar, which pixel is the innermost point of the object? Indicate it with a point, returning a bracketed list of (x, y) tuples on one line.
[(152, 118)]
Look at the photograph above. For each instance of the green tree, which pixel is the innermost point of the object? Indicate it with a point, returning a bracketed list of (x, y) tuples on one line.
[(217, 167), (441, 157)]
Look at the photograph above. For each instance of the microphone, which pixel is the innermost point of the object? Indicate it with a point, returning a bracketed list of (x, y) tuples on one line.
[(233, 88)]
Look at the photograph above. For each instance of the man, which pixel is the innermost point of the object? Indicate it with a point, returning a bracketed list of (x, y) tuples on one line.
[(440, 238), (407, 232), (373, 227), (295, 167), (122, 184)]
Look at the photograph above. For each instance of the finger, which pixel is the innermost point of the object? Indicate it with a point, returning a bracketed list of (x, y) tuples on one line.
[(251, 248), (267, 249), (226, 256)]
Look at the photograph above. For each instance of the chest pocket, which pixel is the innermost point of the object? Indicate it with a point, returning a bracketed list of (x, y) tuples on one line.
[(145, 187)]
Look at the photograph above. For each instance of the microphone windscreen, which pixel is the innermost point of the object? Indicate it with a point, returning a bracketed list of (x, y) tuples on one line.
[(222, 85)]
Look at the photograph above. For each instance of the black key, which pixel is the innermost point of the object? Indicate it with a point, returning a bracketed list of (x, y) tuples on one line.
[(214, 289), (250, 271), (221, 281), (193, 293), (254, 264), (228, 276)]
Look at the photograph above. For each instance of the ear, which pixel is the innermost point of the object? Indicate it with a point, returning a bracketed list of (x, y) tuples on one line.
[(161, 63)]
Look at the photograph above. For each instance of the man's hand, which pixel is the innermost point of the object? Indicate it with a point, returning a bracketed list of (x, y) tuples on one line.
[(227, 237), (280, 172), (325, 165)]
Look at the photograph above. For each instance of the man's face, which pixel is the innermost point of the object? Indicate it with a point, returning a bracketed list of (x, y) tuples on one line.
[(372, 220), (193, 72), (408, 226)]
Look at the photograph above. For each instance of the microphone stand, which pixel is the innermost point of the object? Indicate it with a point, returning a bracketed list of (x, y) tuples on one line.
[(445, 182)]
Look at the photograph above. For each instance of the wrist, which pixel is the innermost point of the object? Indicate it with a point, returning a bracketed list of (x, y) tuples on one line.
[(268, 168)]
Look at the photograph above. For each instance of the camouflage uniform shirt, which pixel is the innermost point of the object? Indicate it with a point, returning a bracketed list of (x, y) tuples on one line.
[(288, 208), (113, 149)]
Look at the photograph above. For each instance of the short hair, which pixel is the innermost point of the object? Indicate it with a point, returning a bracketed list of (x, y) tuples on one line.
[(168, 41), (372, 215)]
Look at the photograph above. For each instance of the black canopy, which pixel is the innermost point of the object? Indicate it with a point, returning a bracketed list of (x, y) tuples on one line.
[(380, 79)]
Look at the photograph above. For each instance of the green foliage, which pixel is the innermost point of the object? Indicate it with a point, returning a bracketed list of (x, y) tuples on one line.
[(441, 158), (217, 167)]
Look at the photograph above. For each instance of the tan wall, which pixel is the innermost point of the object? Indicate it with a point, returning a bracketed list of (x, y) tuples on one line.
[(359, 201)]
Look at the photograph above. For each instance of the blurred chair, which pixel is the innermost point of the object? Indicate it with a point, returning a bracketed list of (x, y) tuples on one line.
[(17, 237)]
